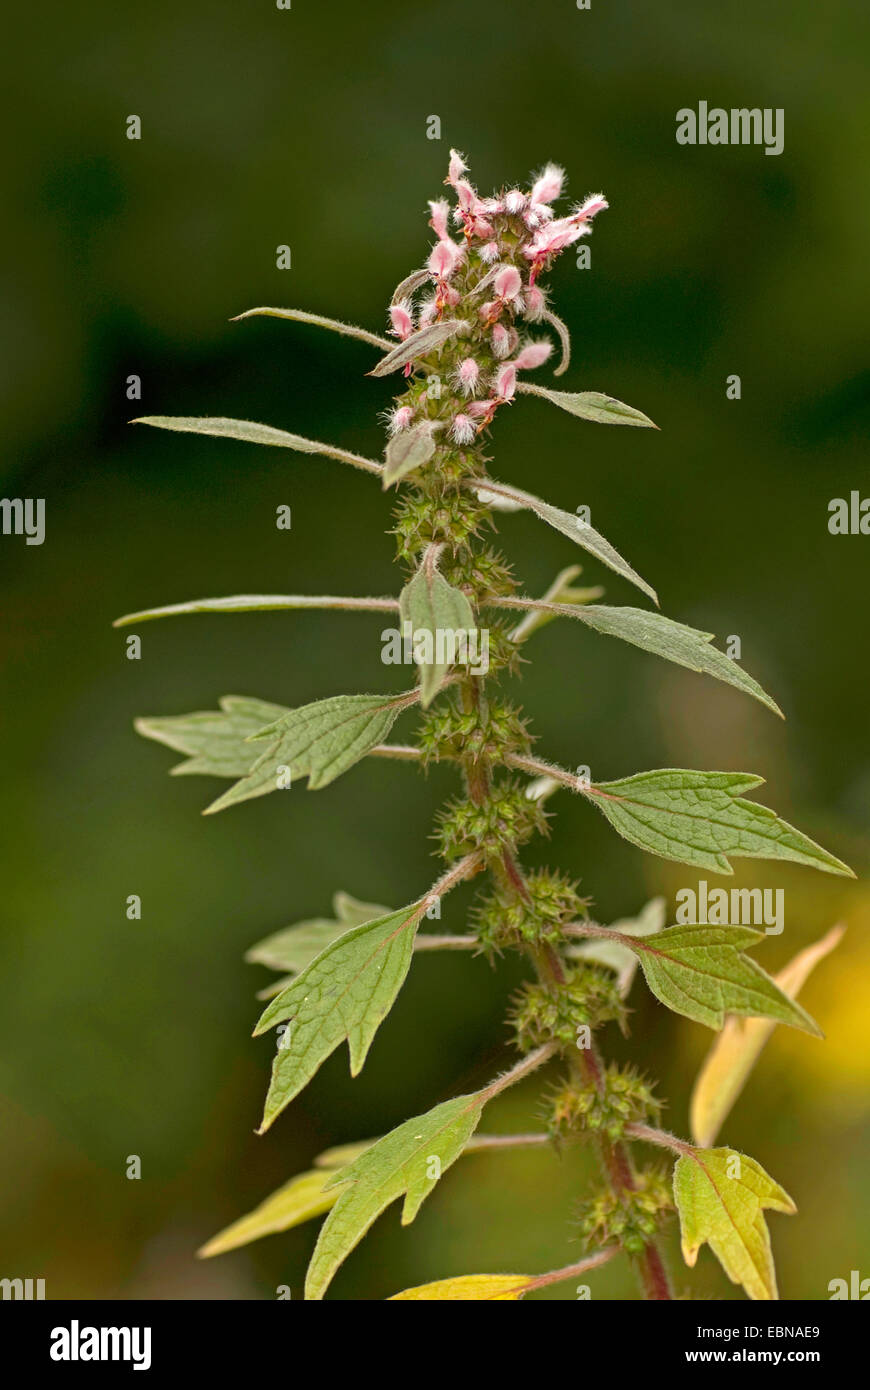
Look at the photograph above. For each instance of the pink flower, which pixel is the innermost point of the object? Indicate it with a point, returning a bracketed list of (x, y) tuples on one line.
[(532, 355), (438, 221), (548, 185), (536, 303), (400, 317), (489, 252), (505, 381), (507, 283), (501, 341), (478, 410), (553, 237), (399, 419), (465, 195), (428, 312), (456, 168), (514, 201), (462, 429), (594, 203), (444, 258), (467, 376)]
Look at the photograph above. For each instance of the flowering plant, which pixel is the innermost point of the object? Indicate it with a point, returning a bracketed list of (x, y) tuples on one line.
[(464, 331)]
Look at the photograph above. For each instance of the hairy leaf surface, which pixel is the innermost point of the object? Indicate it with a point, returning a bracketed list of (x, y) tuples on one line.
[(575, 529), (215, 741), (590, 405), (698, 818), (344, 994), (433, 606), (721, 1197), (293, 948), (407, 1162), (319, 741), (701, 972)]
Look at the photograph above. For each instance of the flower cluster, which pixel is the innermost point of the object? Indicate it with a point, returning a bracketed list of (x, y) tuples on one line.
[(486, 274)]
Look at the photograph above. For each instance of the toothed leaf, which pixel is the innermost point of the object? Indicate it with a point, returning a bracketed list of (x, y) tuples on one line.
[(698, 818), (721, 1197)]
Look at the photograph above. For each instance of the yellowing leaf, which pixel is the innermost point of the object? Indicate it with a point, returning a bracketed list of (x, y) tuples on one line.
[(721, 1197), (300, 1199), (469, 1288), (738, 1047)]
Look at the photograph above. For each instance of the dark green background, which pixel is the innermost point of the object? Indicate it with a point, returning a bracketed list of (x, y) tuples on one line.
[(307, 127)]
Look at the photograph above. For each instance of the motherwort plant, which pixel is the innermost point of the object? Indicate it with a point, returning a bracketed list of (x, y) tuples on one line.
[(466, 331)]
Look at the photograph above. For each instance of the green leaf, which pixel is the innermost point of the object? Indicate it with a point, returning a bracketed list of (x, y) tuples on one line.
[(591, 405), (575, 529), (256, 603), (622, 959), (406, 1162), (737, 1048), (294, 947), (407, 450), (350, 330), (345, 993), (438, 613), (419, 344), (300, 1199), (319, 741), (253, 433), (687, 646), (469, 1288), (697, 818), (560, 594), (215, 741), (721, 1197), (701, 972)]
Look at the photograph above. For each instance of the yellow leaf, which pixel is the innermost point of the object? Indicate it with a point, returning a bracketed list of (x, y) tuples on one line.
[(738, 1046), (721, 1196), (469, 1288), (298, 1200)]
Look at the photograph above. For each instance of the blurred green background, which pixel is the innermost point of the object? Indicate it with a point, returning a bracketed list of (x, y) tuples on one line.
[(308, 127)]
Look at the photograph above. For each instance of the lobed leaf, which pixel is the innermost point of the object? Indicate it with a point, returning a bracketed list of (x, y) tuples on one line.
[(344, 994), (215, 741), (735, 1051), (406, 1162), (702, 973), (590, 405), (575, 529), (697, 818), (293, 948), (319, 741), (433, 607), (721, 1197)]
